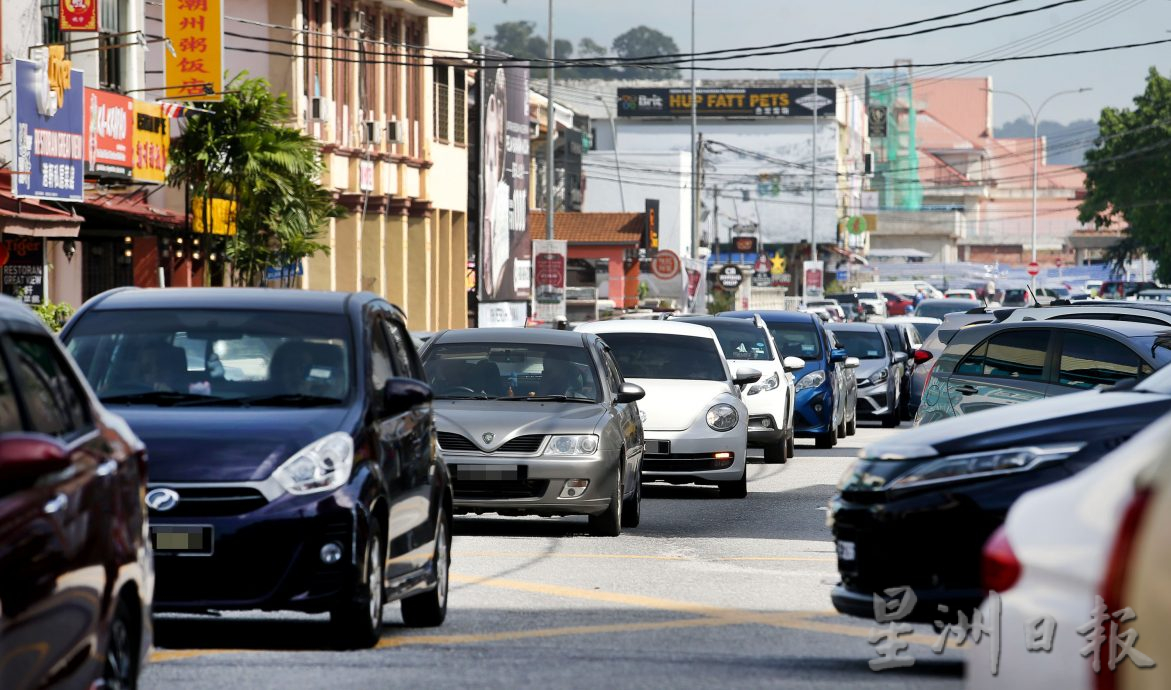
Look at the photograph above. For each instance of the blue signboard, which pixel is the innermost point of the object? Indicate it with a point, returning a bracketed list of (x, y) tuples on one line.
[(843, 276), (274, 273), (48, 132)]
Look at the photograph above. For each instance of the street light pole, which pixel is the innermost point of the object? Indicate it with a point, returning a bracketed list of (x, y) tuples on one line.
[(550, 132), (694, 150), (813, 167), (617, 163), (1036, 115)]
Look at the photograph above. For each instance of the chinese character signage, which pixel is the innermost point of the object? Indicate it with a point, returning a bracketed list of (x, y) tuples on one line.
[(109, 134), (23, 272), (223, 216), (194, 72), (549, 264), (733, 102), (650, 227), (152, 142), (78, 15), (49, 126)]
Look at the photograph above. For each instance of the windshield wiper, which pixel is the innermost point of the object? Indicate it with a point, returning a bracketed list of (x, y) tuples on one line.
[(548, 398), (161, 398), (283, 400), (477, 396)]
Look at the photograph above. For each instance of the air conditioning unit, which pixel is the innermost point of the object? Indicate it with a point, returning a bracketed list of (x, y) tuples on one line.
[(320, 109), (372, 132), (396, 132), (358, 22)]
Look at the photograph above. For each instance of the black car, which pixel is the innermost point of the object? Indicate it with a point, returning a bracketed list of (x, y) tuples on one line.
[(933, 345), (903, 337), (880, 370), (939, 308), (916, 509), (293, 458), (75, 564)]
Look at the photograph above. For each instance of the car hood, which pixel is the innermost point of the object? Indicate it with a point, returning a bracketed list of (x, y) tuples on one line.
[(507, 420), (869, 367), (225, 444), (1060, 418), (672, 405)]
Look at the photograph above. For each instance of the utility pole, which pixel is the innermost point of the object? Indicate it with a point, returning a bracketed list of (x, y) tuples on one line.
[(550, 133), (716, 220), (813, 167), (696, 150), (617, 163)]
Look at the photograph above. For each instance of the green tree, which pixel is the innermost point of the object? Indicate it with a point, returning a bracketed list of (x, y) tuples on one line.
[(244, 150), (520, 40), (643, 41), (1127, 174)]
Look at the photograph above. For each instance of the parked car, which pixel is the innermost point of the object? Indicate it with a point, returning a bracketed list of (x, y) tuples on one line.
[(848, 385), (537, 422), (924, 325), (1005, 364), (933, 346), (939, 308), (1016, 297), (861, 304), (769, 400), (1124, 289), (879, 373), (1138, 311), (960, 293), (1156, 295), (904, 338), (950, 484), (76, 580), (695, 424), (1059, 547), (831, 307), (903, 287), (292, 446), (898, 305), (820, 398)]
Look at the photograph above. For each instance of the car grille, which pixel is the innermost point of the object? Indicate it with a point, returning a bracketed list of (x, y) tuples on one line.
[(530, 443), (684, 463), (523, 488), (214, 501)]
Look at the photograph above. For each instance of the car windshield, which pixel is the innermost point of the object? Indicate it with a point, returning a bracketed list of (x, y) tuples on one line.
[(741, 340), (925, 329), (513, 371), (861, 344), (214, 357), (666, 356), (938, 309), (796, 339)]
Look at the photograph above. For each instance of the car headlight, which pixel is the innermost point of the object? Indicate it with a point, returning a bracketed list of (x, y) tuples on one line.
[(811, 380), (975, 465), (722, 417), (323, 465), (878, 378), (766, 385), (572, 445)]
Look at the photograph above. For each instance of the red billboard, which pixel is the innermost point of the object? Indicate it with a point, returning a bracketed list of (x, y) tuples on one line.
[(78, 15), (109, 134)]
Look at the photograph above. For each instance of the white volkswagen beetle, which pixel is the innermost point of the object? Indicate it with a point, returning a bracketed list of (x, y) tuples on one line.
[(694, 422)]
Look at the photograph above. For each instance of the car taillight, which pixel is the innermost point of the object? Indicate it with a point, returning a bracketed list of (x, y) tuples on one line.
[(999, 569), (921, 356), (1115, 577)]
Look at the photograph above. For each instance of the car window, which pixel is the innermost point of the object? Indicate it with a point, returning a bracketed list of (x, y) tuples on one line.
[(973, 364), (52, 398), (861, 344), (9, 412), (381, 367), (742, 340), (1088, 361), (613, 375), (402, 350), (510, 370), (796, 339), (1017, 355), (666, 356)]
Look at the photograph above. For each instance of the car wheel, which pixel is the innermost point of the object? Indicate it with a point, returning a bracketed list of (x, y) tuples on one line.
[(827, 440), (842, 429), (791, 444), (852, 426), (120, 670), (609, 523), (890, 421), (429, 609), (632, 511), (737, 488), (777, 453), (359, 620)]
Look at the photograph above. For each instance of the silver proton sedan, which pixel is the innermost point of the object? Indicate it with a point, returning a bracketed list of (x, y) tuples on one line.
[(537, 422)]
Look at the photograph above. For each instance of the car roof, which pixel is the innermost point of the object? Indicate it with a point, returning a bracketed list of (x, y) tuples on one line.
[(952, 300), (1127, 329), (672, 326), (713, 321), (854, 327), (913, 319), (277, 299), (15, 315), (534, 336), (772, 315)]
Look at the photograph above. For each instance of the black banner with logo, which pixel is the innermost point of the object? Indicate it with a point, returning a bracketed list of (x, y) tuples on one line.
[(728, 102)]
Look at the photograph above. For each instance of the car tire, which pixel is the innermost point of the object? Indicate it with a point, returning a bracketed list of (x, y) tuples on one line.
[(891, 421), (120, 668), (777, 453), (791, 444), (609, 523), (429, 609), (852, 426), (737, 488), (842, 429), (827, 440), (358, 620), (632, 511)]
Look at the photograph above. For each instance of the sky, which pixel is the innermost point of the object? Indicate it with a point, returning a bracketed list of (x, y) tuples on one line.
[(1114, 78)]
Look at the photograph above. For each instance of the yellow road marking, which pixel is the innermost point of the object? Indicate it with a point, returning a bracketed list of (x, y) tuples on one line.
[(509, 635), (638, 557)]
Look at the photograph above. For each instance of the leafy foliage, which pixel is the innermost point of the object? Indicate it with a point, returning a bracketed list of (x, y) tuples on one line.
[(245, 151), (54, 314), (1128, 172), (521, 40)]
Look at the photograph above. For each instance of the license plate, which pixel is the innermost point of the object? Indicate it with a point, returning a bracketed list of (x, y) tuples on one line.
[(658, 447), (846, 551), (181, 539), (487, 473)]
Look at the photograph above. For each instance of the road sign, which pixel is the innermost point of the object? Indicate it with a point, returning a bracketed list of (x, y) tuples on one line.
[(1057, 262), (665, 265), (1034, 269), (730, 277)]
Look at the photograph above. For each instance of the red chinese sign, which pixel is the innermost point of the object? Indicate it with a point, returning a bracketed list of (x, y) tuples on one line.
[(109, 134), (77, 15), (194, 71)]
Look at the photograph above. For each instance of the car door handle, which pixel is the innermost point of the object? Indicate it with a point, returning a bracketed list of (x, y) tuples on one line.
[(107, 468), (56, 504), (966, 390)]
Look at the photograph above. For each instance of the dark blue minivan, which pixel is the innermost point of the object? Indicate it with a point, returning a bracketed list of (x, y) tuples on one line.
[(291, 447), (820, 412)]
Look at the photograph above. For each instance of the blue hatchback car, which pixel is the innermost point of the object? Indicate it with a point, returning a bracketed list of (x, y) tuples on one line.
[(819, 410)]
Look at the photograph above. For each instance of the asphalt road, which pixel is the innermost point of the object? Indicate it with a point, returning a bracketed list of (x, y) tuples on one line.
[(705, 593)]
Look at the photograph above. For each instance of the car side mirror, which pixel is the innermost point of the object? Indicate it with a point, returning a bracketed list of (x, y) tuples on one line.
[(793, 363), (402, 394), (24, 458), (899, 357), (851, 363), (838, 354), (745, 376), (630, 393), (922, 356)]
